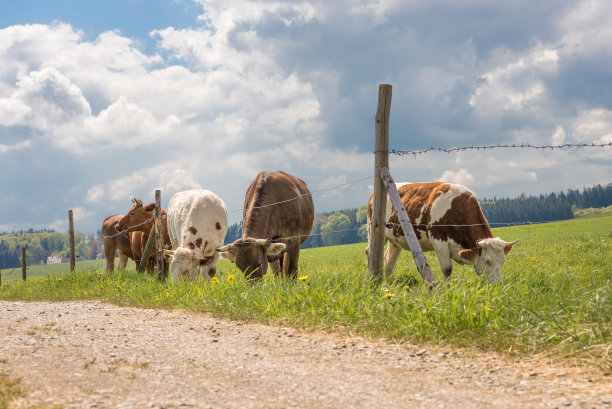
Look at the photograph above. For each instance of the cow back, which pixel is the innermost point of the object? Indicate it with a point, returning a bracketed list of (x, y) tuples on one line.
[(277, 205)]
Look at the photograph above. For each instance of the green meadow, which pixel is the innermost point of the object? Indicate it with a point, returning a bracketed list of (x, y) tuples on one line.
[(554, 299)]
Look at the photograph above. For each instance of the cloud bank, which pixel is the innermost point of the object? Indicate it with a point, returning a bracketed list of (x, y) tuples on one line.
[(88, 123)]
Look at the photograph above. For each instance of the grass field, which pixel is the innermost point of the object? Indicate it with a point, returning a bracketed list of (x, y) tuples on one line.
[(555, 297)]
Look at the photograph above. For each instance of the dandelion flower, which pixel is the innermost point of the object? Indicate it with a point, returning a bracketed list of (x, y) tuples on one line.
[(385, 289), (389, 295), (406, 288), (303, 278), (231, 278), (214, 280)]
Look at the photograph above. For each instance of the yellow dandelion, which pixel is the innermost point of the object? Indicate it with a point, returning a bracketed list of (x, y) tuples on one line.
[(59, 279), (406, 288), (389, 295), (231, 278), (303, 278), (385, 289), (214, 280)]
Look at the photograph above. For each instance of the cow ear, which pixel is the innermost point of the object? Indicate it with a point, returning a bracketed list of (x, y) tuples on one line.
[(227, 252), (274, 249), (469, 254), (168, 254), (508, 246), (150, 207)]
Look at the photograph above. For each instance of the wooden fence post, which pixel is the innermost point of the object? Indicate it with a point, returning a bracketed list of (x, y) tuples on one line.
[(159, 236), (379, 201), (71, 233), (411, 238), (146, 254), (23, 263)]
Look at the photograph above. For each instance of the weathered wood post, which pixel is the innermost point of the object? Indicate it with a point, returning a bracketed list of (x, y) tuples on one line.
[(23, 263), (379, 201), (411, 238), (146, 254), (159, 236), (71, 233)]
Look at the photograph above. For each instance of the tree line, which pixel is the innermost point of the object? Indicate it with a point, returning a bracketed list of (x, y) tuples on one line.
[(329, 229)]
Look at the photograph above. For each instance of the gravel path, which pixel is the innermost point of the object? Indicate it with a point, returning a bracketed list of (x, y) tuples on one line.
[(96, 355)]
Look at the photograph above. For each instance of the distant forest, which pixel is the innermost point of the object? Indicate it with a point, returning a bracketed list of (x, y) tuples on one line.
[(329, 229)]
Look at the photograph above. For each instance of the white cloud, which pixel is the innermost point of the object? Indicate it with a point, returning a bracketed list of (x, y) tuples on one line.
[(462, 177), (19, 146), (593, 126), (558, 137)]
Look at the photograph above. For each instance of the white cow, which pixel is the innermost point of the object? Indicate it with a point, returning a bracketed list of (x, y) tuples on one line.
[(197, 224)]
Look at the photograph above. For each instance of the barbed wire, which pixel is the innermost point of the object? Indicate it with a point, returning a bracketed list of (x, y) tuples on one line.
[(306, 194), (416, 153), (128, 229)]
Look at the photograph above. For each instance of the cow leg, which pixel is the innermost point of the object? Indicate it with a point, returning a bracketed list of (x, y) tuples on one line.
[(392, 253), (123, 259), (109, 255), (277, 266), (444, 259), (292, 258)]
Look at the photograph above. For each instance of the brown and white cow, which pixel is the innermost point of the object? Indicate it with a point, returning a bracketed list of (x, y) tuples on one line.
[(197, 223), (115, 242), (278, 215), (447, 219), (140, 219)]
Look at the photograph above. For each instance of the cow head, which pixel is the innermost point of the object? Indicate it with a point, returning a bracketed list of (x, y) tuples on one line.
[(251, 255), (184, 263), (488, 257), (137, 215)]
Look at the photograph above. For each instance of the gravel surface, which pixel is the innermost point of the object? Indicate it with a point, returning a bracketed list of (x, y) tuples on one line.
[(96, 355)]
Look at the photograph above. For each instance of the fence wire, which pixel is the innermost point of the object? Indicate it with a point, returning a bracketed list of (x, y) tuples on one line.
[(416, 153)]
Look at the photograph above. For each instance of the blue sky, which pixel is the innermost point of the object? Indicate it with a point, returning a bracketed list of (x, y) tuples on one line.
[(102, 101)]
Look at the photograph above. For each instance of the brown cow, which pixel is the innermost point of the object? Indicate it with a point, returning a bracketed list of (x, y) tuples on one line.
[(278, 215), (140, 219), (448, 220), (115, 242)]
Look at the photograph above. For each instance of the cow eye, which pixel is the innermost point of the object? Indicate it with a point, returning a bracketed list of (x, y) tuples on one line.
[(488, 262)]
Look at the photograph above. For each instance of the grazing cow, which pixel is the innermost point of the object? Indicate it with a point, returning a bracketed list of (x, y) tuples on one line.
[(140, 219), (278, 215), (197, 223), (115, 242), (447, 219)]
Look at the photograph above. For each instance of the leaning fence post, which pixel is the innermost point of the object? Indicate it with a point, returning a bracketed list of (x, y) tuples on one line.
[(71, 233), (159, 237), (379, 200), (146, 254), (23, 263), (411, 238)]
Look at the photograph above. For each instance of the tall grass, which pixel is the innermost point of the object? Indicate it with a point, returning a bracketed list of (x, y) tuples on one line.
[(555, 297)]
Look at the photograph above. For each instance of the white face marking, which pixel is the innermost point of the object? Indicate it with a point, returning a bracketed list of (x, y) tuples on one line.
[(490, 262), (443, 202)]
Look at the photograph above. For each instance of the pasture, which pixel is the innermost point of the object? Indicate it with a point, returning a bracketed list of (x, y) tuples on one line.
[(554, 299)]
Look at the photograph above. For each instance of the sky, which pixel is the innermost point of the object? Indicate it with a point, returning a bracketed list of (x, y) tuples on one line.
[(104, 101)]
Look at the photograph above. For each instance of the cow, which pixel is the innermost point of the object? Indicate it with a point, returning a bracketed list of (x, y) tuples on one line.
[(448, 220), (115, 242), (140, 219), (278, 214), (197, 224)]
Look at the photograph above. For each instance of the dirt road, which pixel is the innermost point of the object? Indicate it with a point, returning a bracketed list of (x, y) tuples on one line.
[(95, 355)]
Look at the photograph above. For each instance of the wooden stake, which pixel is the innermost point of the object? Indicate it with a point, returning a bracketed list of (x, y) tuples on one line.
[(146, 254), (411, 238), (379, 201), (23, 263), (71, 233), (159, 242)]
